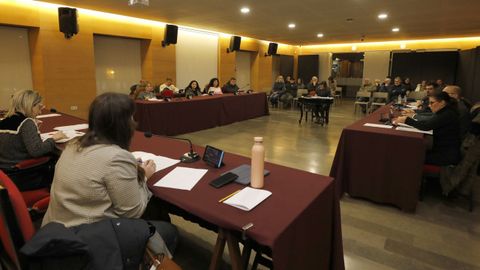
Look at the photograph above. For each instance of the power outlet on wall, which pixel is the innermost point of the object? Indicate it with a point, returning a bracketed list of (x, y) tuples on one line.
[(73, 108)]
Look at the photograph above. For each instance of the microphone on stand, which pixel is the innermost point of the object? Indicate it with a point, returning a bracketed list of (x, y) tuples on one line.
[(53, 110), (188, 157)]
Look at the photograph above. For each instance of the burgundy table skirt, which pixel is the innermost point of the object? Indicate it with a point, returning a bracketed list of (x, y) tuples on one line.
[(381, 165), (182, 115), (299, 222)]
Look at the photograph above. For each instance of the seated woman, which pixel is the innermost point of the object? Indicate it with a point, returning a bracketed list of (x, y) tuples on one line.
[(193, 89), (213, 87), (278, 89), (322, 91), (97, 177), (313, 86), (19, 136), (446, 130), (144, 91)]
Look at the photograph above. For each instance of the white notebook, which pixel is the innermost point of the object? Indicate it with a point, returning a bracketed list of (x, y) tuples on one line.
[(160, 161), (248, 198), (72, 127), (412, 129), (69, 133)]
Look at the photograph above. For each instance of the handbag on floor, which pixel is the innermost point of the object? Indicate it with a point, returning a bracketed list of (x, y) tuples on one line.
[(159, 262)]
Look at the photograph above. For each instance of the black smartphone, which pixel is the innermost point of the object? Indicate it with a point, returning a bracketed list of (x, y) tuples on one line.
[(213, 156), (223, 180)]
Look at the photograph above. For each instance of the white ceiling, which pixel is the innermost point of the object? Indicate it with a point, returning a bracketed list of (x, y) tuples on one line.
[(268, 19)]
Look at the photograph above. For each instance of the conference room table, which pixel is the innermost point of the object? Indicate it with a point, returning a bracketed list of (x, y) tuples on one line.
[(381, 165), (299, 223), (182, 115)]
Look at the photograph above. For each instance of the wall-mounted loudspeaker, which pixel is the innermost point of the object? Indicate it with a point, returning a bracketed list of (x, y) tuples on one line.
[(67, 21), (171, 33), (234, 44), (272, 49)]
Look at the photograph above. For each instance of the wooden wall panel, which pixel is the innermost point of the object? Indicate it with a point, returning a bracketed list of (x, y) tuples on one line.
[(226, 61)]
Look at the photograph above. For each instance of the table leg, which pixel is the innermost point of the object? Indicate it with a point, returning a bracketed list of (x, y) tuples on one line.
[(301, 112), (234, 251), (218, 250), (223, 237)]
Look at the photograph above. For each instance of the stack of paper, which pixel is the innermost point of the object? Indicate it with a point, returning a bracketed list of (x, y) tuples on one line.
[(154, 99), (69, 133), (160, 162), (248, 198), (377, 125), (72, 127), (412, 129), (181, 178), (47, 115)]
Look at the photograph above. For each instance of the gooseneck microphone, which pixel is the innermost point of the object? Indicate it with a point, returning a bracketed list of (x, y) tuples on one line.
[(188, 157)]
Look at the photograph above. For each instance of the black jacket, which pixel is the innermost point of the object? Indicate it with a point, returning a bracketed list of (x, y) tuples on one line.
[(446, 136), (108, 244)]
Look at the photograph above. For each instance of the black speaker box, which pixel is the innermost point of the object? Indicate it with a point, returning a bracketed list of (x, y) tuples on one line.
[(67, 21), (171, 32), (272, 48), (235, 43)]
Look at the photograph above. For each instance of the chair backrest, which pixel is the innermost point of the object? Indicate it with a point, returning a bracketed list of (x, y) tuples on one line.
[(380, 95), (417, 95), (364, 94), (16, 223), (301, 92)]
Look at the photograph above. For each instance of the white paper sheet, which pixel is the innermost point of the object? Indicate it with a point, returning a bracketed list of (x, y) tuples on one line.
[(69, 133), (72, 127), (377, 125), (181, 178), (48, 115), (154, 99), (248, 198), (160, 161), (409, 129)]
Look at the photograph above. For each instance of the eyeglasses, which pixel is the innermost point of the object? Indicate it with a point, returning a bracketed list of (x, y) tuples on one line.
[(432, 102)]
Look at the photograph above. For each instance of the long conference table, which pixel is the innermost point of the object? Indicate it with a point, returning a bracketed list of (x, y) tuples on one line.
[(299, 223), (381, 165), (182, 115)]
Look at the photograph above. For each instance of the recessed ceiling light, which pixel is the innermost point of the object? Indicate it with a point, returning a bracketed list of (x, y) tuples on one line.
[(382, 16), (319, 35), (403, 46), (291, 25), (354, 48), (245, 10), (395, 29)]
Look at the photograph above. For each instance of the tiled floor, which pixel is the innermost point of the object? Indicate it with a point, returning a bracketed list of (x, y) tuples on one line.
[(438, 236)]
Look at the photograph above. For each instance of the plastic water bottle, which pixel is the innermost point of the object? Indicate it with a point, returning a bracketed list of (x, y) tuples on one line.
[(258, 156), (399, 99)]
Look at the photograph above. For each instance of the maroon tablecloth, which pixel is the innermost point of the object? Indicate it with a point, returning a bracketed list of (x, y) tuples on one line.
[(183, 115), (300, 221), (382, 165)]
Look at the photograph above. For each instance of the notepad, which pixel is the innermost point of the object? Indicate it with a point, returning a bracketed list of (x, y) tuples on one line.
[(248, 198), (181, 178), (377, 125), (69, 133), (48, 115), (154, 99), (411, 129), (161, 162), (72, 127)]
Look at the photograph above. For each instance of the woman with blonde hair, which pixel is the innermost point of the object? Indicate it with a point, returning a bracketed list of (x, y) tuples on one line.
[(19, 135)]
